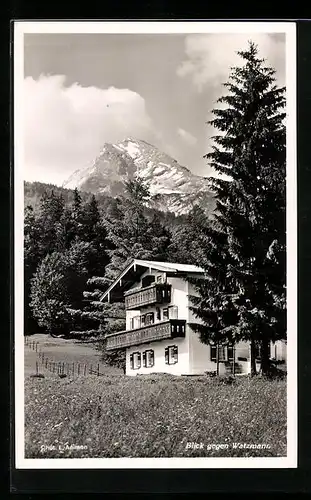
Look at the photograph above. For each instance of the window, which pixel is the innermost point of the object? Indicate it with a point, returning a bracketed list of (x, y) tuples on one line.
[(135, 361), (173, 312), (135, 322), (147, 280), (224, 353), (149, 318), (148, 358), (171, 355), (165, 313)]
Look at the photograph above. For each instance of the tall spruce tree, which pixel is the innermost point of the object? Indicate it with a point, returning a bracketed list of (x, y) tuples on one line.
[(243, 294), (130, 231), (132, 235), (189, 240)]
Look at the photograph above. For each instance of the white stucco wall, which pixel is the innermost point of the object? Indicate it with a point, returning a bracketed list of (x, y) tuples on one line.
[(193, 355), (199, 353), (179, 368), (179, 299)]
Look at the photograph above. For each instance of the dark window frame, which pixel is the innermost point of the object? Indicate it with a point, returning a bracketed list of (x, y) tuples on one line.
[(168, 355), (145, 358), (132, 365), (149, 315), (165, 309), (225, 358)]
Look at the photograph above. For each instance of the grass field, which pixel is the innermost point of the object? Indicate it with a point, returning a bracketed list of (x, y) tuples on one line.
[(149, 416), (60, 350)]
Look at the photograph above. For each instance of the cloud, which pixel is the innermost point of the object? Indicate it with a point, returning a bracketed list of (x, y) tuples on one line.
[(187, 137), (209, 57), (65, 127)]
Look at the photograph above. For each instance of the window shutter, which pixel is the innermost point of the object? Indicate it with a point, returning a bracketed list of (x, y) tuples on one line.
[(144, 359), (138, 360), (151, 358), (175, 351), (230, 353), (132, 361), (166, 356), (213, 353)]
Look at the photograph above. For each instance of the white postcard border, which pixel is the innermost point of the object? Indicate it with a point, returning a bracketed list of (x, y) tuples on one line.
[(198, 27)]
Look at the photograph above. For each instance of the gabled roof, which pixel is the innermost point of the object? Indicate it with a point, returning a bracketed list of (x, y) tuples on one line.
[(137, 267), (169, 266)]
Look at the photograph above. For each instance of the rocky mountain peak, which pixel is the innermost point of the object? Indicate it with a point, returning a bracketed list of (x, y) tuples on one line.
[(173, 187)]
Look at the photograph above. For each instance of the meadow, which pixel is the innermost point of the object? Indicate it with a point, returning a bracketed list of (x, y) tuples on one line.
[(152, 416)]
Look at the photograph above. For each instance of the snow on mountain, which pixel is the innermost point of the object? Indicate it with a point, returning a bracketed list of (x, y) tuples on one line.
[(172, 187)]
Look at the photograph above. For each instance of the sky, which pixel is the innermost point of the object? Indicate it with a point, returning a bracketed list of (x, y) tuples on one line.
[(82, 90)]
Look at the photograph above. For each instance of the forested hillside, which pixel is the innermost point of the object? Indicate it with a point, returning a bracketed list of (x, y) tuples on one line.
[(76, 243)]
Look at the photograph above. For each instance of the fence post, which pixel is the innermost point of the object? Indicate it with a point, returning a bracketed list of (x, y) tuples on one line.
[(84, 369), (37, 369), (73, 369), (91, 369), (46, 362), (36, 346), (78, 369), (98, 370), (63, 368)]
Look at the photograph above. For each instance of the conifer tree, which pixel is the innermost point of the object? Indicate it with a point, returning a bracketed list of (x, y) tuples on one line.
[(243, 294), (32, 256), (50, 219), (189, 240), (132, 235)]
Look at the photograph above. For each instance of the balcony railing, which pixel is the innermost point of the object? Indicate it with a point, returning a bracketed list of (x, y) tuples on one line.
[(157, 331), (158, 293)]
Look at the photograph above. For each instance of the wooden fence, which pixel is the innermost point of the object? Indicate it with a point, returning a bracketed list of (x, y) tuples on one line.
[(61, 368)]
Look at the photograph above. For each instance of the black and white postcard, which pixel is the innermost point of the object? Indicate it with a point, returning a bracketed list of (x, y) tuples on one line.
[(155, 245)]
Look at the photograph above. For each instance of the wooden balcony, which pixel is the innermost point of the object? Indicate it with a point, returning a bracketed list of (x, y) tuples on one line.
[(169, 329), (157, 293)]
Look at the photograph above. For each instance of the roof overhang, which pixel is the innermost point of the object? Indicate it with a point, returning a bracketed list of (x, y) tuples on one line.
[(132, 273)]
